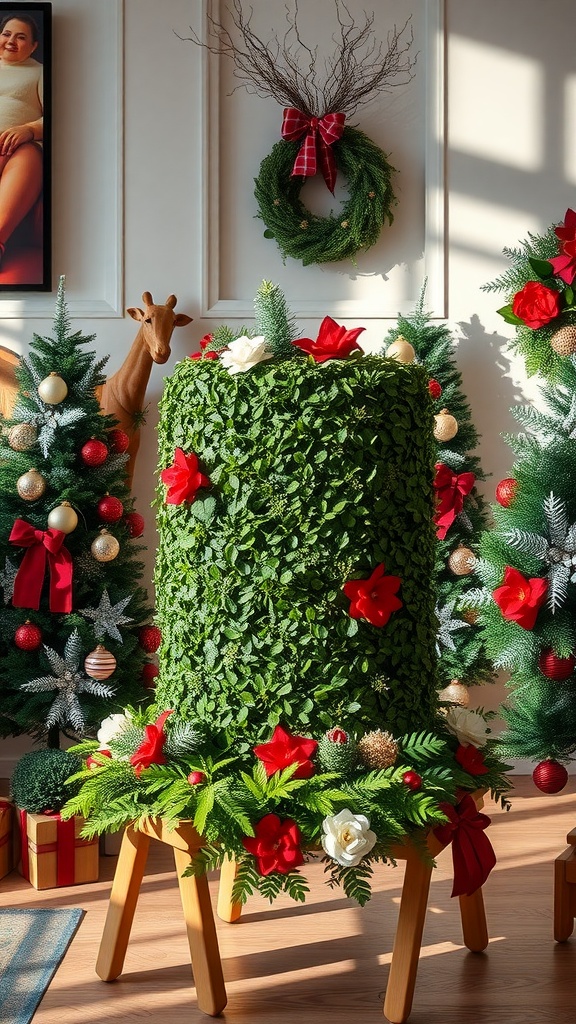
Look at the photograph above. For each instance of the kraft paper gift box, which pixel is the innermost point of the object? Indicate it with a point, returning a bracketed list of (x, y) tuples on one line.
[(53, 854)]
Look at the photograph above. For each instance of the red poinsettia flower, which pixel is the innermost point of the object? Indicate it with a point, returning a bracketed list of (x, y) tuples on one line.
[(564, 266), (150, 750), (536, 305), (276, 845), (566, 231), (520, 599), (333, 341), (374, 599), (471, 759), (183, 478), (284, 750)]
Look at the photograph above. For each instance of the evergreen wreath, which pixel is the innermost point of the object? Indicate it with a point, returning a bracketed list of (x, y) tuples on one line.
[(314, 239), (313, 134)]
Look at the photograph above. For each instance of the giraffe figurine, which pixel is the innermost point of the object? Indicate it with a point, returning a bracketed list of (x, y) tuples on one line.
[(122, 394)]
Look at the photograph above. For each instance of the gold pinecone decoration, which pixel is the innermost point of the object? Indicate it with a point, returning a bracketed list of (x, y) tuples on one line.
[(377, 749), (563, 341)]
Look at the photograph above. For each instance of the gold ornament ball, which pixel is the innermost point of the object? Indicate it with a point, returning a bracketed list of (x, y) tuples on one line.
[(22, 436), (563, 341), (462, 561), (445, 426), (53, 389), (100, 663), (105, 547), (455, 693), (401, 350), (377, 749), (63, 518), (31, 485)]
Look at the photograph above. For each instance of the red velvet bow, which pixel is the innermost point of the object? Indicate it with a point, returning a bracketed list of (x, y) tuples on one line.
[(451, 489), (319, 135), (42, 545), (473, 855)]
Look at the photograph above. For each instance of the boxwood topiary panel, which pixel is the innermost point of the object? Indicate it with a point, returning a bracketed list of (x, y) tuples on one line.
[(319, 473)]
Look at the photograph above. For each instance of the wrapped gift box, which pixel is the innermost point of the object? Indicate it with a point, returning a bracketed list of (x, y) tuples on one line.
[(6, 862), (53, 854)]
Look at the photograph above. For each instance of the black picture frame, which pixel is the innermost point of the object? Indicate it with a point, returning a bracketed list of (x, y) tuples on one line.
[(26, 243)]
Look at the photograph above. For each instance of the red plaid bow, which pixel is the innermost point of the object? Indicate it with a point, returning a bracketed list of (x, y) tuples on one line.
[(319, 135), (451, 489)]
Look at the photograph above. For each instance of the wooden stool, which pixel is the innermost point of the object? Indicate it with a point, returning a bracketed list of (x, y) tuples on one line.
[(195, 896), (411, 916), (565, 890)]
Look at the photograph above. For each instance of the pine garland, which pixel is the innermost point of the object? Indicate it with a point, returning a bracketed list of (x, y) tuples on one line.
[(312, 239)]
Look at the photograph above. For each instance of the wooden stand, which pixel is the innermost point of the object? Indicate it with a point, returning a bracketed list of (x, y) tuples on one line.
[(565, 890), (206, 964), (195, 896)]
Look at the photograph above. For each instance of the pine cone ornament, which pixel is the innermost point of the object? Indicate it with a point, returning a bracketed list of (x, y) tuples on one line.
[(377, 749), (563, 341), (337, 752)]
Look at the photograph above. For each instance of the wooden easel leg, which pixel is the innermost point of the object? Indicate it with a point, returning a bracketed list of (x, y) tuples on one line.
[(564, 896), (226, 909), (402, 979), (123, 899), (474, 927), (202, 939)]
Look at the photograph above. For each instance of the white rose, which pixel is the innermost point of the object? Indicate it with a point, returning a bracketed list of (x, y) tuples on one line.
[(110, 728), (244, 353), (347, 837), (467, 726)]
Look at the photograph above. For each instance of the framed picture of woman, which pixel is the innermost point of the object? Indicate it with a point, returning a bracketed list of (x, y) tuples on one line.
[(25, 147)]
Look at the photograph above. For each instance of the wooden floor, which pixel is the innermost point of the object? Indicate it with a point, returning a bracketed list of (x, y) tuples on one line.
[(327, 962)]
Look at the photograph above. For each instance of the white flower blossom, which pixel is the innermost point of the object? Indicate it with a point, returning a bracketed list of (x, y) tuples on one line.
[(347, 837), (468, 727), (110, 728), (244, 353)]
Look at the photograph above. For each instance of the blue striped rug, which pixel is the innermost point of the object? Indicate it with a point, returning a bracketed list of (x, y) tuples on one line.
[(32, 945)]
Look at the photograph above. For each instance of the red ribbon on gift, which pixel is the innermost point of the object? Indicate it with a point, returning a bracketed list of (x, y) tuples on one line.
[(43, 545), (64, 848), (319, 135), (473, 855), (451, 489)]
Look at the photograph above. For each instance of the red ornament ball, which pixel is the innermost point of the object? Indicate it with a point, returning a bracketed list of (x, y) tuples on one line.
[(150, 672), (195, 778), (134, 524), (554, 667), (110, 509), (550, 776), (434, 388), (28, 637), (119, 441), (412, 780), (94, 452), (150, 639), (506, 491)]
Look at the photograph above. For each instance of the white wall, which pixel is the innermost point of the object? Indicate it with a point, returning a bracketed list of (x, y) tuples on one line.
[(508, 144)]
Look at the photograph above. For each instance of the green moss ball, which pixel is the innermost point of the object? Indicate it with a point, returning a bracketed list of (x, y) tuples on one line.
[(40, 780)]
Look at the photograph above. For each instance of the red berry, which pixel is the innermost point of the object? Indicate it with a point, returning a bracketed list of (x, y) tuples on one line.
[(150, 672), (412, 780), (110, 509), (506, 491), (28, 637), (195, 778), (94, 452), (134, 524), (92, 762), (150, 639), (550, 776), (553, 666), (119, 441), (434, 388)]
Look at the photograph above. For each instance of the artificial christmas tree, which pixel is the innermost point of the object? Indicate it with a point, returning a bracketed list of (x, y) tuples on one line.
[(67, 583), (462, 514), (528, 562)]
